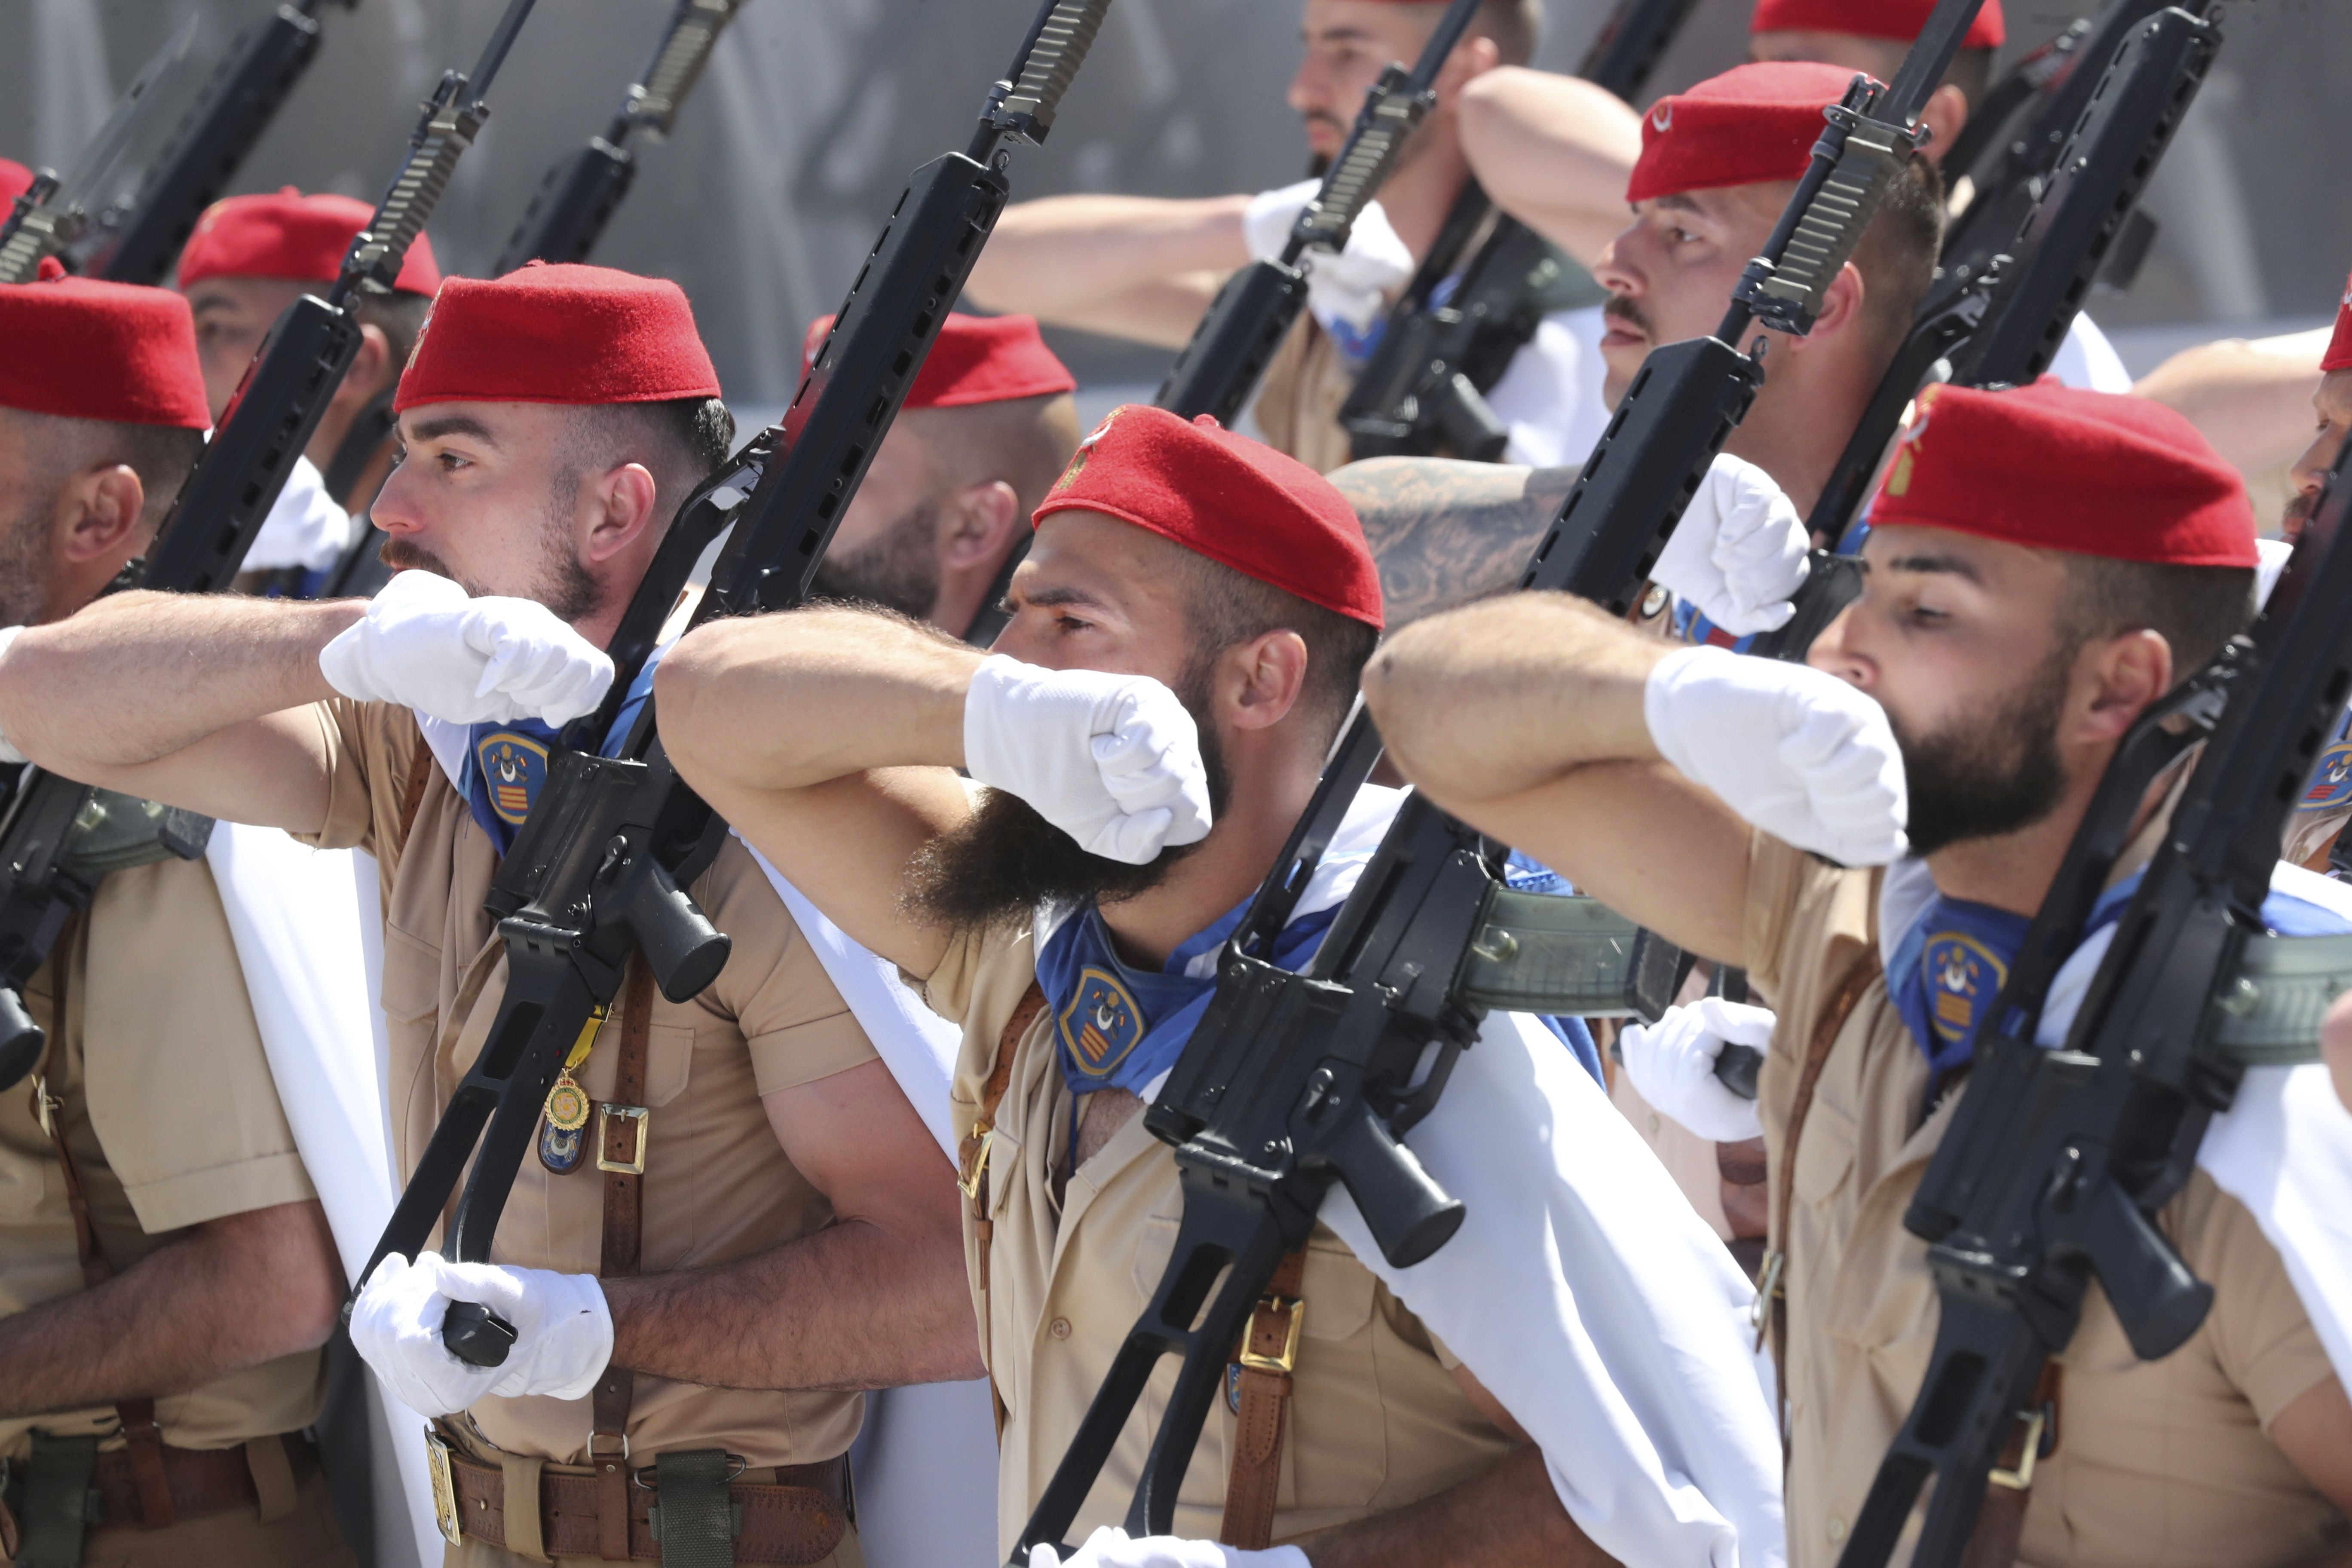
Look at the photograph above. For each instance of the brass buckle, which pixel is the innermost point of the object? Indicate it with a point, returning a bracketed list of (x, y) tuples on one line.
[(1282, 1364), (1767, 1290), (2022, 1478), (444, 1486), (968, 1182), (636, 1114)]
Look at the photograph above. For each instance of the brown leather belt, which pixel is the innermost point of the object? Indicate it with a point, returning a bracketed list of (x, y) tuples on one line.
[(800, 1518), (203, 1480)]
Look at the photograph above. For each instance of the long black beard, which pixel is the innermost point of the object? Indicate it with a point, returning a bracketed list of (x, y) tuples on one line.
[(1006, 861), (1992, 772)]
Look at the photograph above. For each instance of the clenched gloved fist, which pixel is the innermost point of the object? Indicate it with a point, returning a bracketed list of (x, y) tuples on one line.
[(563, 1331), (426, 645), (1349, 286), (1114, 760), (1672, 1064), (1108, 1548), (1738, 552), (1795, 751)]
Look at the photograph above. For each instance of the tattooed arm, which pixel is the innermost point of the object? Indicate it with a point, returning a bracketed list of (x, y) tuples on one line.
[(1446, 533)]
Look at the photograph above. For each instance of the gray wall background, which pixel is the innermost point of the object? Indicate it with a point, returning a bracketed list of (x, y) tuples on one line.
[(795, 144)]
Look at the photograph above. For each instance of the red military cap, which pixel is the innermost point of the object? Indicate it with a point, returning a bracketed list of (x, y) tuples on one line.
[(975, 359), (82, 349), (1226, 497), (2339, 347), (2092, 473), (1898, 19), (1753, 124), (565, 333), (14, 181), (301, 238)]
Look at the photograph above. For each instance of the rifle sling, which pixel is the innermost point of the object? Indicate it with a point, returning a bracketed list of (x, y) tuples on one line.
[(972, 1167), (1262, 1365), (621, 1130)]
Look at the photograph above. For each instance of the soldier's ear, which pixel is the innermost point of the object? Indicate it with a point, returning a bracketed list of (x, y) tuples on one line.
[(97, 513)]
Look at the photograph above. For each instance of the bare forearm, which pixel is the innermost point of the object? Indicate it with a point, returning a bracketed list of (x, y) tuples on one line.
[(1504, 1518), (1554, 152), (1444, 533), (136, 677), (234, 1294), (853, 1306), (2251, 400), (1054, 256), (1499, 698)]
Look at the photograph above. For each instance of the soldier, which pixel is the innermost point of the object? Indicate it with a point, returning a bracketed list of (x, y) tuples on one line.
[(1146, 269), (2043, 564), (2318, 829), (987, 427), (165, 1269), (1195, 607), (767, 1226)]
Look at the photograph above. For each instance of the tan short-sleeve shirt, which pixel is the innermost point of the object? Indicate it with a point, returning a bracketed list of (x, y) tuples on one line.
[(1376, 1421), (2157, 1464), (173, 1120), (1299, 398), (717, 1186)]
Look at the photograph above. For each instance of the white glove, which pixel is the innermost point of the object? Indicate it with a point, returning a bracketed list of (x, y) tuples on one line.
[(563, 1331), (1739, 550), (8, 754), (1348, 285), (1108, 1548), (1114, 760), (1672, 1064), (426, 645), (304, 529), (1795, 751)]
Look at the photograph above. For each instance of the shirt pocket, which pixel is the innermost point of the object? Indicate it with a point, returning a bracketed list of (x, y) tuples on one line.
[(1825, 1153), (670, 1063)]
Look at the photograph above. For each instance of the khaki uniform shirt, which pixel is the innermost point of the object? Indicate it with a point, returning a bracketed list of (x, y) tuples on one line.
[(2157, 1464), (1299, 399), (718, 1188), (1376, 1419), (173, 1120)]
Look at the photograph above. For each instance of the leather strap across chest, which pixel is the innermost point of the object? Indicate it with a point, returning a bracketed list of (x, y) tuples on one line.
[(1827, 1026), (972, 1167), (621, 1132)]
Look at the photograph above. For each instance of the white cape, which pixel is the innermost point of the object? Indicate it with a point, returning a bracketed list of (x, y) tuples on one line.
[(294, 914)]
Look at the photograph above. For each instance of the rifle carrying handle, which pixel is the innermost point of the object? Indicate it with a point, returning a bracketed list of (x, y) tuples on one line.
[(476, 1335)]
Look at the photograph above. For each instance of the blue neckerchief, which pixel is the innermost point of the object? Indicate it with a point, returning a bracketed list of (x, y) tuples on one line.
[(506, 763), (1946, 972), (2330, 787), (1119, 1028)]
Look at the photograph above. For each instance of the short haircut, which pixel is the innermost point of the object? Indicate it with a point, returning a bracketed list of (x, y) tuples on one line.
[(399, 317), (162, 456), (1516, 26), (681, 441), (2196, 609), (1224, 608), (1899, 251), (1024, 441)]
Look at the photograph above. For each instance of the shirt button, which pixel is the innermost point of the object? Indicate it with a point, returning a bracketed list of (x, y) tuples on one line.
[(1837, 1529), (1654, 1124), (1059, 1328)]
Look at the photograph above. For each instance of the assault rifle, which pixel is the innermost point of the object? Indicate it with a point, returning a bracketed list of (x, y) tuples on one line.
[(580, 194), (599, 868), (58, 837), (1221, 366), (1422, 392), (1295, 1082), (40, 226), (2057, 1162)]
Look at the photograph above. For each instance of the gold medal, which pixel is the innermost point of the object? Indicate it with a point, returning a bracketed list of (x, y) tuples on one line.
[(564, 1120)]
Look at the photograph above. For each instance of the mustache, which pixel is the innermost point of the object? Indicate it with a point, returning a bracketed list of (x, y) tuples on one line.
[(402, 556), (2298, 513), (1621, 308)]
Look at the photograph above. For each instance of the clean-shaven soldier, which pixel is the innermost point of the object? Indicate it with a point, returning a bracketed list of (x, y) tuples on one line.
[(249, 258), (2044, 563), (1146, 268), (1185, 636), (986, 430), (793, 1236), (166, 1274)]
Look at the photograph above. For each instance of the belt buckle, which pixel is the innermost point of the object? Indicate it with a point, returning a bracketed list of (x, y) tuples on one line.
[(970, 1182), (444, 1486), (1288, 1359), (1767, 1290), (634, 1114), (2022, 1478)]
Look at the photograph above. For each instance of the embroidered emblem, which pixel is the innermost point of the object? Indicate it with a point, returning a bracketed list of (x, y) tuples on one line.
[(1899, 477), (1662, 119), (1102, 1024), (1086, 449), (1234, 1386), (513, 767), (2331, 780), (1963, 977)]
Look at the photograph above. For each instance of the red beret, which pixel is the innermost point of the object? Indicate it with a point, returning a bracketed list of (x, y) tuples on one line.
[(1753, 124), (290, 235), (82, 349), (565, 333), (2339, 347), (1226, 497), (1898, 19), (976, 359), (2091, 473), (14, 181)]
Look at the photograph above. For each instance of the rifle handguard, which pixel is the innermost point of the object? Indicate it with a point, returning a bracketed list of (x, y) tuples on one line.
[(1064, 33), (653, 103)]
